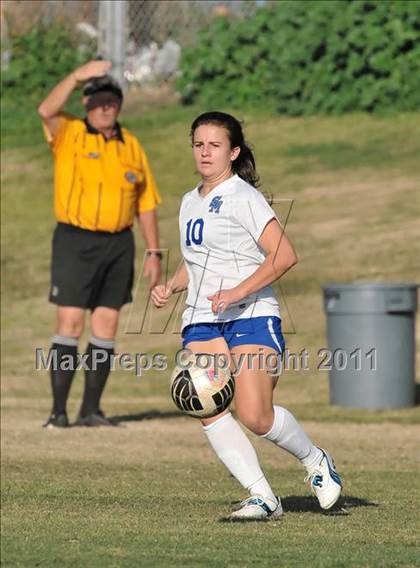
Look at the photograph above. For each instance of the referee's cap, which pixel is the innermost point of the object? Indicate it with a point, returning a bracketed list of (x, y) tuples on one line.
[(106, 84)]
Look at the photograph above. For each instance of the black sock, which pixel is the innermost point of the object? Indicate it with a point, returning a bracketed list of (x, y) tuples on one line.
[(62, 375), (96, 375)]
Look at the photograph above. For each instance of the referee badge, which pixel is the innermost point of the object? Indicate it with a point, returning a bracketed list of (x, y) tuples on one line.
[(131, 177)]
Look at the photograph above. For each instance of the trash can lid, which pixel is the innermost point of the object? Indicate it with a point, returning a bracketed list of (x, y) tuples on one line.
[(370, 297), (371, 286)]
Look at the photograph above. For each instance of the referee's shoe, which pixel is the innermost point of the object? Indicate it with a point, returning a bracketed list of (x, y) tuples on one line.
[(97, 419), (57, 421)]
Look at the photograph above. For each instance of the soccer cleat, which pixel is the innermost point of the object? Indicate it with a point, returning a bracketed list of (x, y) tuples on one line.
[(93, 420), (256, 508), (57, 421), (325, 482)]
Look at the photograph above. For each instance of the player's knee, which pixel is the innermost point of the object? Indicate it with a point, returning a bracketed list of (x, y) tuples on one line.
[(259, 422)]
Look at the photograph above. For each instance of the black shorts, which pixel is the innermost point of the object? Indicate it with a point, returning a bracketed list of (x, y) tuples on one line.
[(91, 268)]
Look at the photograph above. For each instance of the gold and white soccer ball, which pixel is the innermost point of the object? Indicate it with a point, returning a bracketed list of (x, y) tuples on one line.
[(201, 392)]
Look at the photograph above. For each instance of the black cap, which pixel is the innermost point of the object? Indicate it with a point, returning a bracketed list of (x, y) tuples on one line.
[(102, 84)]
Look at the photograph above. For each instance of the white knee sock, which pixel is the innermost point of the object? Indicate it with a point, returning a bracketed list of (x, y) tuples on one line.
[(289, 435), (237, 453)]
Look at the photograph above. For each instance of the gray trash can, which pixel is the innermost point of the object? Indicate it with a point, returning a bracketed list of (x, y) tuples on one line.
[(371, 344)]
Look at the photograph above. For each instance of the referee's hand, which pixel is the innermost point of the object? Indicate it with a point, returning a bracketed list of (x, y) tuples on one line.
[(152, 270), (94, 68)]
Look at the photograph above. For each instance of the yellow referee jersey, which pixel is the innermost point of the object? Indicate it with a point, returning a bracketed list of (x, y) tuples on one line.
[(99, 184)]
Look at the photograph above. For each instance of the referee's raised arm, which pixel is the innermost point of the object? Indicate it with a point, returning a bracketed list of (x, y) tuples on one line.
[(51, 106)]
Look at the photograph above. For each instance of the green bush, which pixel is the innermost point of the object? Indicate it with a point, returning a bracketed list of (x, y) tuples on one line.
[(310, 57), (40, 59)]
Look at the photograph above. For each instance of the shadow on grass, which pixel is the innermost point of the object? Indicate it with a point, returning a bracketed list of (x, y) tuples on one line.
[(150, 415), (308, 504)]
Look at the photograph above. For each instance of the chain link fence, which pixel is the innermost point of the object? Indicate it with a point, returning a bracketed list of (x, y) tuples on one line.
[(143, 38), (154, 20)]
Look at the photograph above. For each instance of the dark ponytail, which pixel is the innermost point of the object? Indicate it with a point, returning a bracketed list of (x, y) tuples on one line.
[(244, 165)]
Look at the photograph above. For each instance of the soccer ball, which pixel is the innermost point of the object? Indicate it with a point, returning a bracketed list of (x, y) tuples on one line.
[(199, 392)]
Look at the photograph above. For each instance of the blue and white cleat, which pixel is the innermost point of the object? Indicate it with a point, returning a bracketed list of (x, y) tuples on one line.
[(325, 482), (256, 508)]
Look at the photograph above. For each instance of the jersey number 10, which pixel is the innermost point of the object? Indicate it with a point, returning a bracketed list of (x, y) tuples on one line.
[(194, 232)]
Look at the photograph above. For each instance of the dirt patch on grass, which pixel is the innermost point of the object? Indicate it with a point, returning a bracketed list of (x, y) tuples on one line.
[(174, 438), (380, 187)]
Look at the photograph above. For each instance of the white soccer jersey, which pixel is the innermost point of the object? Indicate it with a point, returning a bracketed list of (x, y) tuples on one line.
[(219, 234)]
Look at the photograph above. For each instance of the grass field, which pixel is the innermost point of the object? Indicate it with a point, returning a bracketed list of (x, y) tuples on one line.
[(151, 493)]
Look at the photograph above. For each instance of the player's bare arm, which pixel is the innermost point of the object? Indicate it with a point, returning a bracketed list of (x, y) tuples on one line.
[(176, 284), (280, 257), (50, 108), (179, 281)]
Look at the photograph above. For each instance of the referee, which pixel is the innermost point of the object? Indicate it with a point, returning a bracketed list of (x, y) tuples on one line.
[(102, 181)]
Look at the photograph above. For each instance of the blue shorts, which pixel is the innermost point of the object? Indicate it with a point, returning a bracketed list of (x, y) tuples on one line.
[(263, 330)]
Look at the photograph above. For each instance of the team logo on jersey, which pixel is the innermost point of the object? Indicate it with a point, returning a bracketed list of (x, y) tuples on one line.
[(94, 155), (131, 177), (215, 204)]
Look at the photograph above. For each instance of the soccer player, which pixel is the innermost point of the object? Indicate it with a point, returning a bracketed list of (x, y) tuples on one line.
[(233, 249), (102, 182)]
